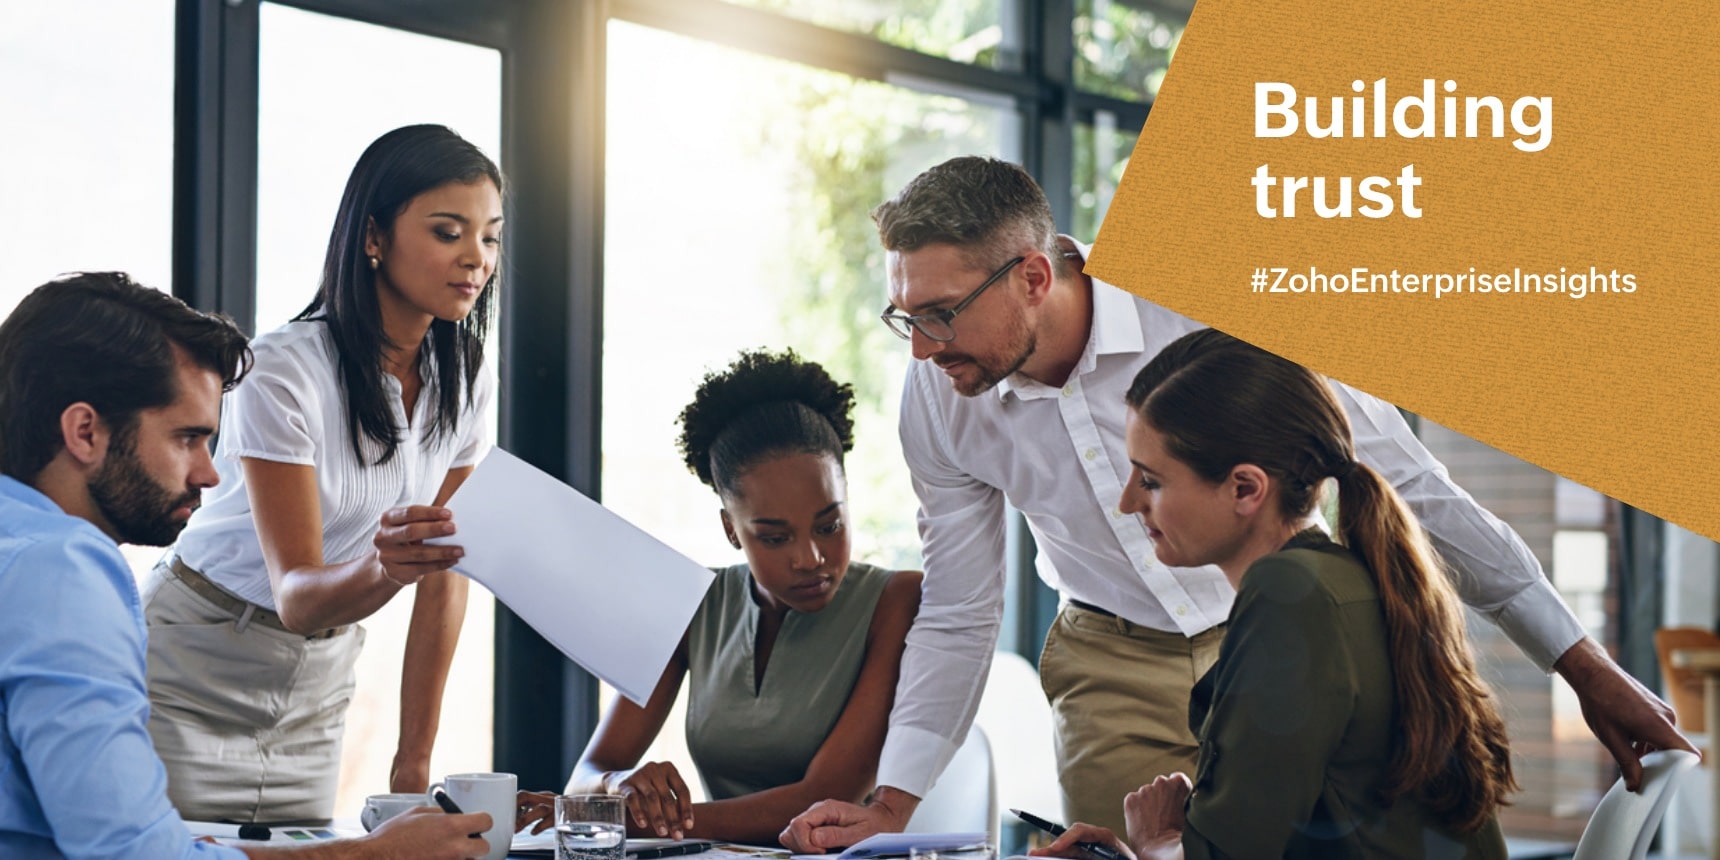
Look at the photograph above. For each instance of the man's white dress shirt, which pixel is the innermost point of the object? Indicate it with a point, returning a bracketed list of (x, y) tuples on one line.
[(1058, 455)]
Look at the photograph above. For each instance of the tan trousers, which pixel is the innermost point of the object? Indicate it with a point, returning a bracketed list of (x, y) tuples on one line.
[(1119, 696), (248, 721)]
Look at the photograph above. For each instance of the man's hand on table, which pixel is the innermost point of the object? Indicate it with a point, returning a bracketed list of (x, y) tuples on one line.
[(1628, 720), (431, 834), (833, 824), (425, 833)]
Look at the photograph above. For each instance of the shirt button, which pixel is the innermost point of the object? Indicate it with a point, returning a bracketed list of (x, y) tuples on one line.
[(1068, 390), (1116, 512), (1182, 610), (1091, 453)]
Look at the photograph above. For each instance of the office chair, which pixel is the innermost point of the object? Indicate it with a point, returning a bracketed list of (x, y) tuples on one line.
[(1624, 823), (964, 799)]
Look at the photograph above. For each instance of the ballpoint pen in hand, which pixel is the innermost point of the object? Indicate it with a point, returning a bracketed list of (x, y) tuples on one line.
[(447, 803), (1105, 852)]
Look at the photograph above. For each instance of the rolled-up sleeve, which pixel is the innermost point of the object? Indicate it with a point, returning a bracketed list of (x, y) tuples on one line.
[(1494, 571), (949, 648), (72, 678)]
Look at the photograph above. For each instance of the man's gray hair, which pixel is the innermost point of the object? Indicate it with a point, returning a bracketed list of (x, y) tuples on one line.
[(989, 208)]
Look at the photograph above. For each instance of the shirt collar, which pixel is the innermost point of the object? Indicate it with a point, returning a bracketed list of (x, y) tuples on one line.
[(24, 494), (1115, 329)]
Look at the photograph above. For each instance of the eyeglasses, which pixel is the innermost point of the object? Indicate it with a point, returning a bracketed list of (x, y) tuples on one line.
[(938, 324)]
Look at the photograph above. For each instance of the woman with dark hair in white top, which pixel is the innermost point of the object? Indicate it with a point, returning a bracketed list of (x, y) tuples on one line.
[(361, 418)]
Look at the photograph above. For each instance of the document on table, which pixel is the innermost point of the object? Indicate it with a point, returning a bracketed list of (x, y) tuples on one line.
[(228, 834), (903, 844), (612, 598), (543, 845)]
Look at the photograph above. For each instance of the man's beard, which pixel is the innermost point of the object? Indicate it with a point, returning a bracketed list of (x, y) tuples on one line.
[(994, 371), (139, 509)]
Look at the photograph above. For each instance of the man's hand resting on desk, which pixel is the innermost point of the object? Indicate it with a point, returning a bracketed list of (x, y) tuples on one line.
[(426, 833), (830, 825)]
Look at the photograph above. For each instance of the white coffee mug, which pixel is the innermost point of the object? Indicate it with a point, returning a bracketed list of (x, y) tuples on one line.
[(381, 807), (487, 792)]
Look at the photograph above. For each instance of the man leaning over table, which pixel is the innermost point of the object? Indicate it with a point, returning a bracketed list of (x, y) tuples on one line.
[(1035, 359), (109, 393)]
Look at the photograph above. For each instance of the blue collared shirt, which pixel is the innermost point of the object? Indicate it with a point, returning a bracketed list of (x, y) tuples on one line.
[(79, 777)]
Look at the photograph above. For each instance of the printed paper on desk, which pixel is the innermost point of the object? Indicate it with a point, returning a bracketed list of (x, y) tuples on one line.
[(612, 598), (902, 845)]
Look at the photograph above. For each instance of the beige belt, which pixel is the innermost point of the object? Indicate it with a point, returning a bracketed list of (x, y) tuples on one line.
[(248, 613)]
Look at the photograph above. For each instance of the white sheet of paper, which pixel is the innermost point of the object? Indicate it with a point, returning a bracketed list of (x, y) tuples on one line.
[(612, 598), (902, 844)]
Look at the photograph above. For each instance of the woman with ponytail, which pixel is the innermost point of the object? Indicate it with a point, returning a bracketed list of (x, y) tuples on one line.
[(1344, 717)]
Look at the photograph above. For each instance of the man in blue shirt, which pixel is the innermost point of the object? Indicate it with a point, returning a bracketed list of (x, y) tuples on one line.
[(109, 394)]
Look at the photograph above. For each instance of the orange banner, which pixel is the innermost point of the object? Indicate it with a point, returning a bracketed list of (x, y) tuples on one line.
[(1496, 216)]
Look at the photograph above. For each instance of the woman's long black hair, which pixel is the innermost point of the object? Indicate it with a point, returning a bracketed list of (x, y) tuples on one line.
[(397, 167)]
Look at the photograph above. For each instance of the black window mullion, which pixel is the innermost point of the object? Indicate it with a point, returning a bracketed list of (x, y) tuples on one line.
[(552, 115), (215, 158)]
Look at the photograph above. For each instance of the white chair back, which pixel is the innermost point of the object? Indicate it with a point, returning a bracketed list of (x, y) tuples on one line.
[(1624, 823), (1018, 723), (964, 799)]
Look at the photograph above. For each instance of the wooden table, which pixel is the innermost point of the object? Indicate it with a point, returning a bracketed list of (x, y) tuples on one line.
[(1707, 662)]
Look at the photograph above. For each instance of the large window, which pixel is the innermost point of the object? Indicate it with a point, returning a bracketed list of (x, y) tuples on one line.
[(983, 32), (1562, 769), (1101, 155), (757, 236), (88, 106), (313, 120), (1123, 47), (89, 178)]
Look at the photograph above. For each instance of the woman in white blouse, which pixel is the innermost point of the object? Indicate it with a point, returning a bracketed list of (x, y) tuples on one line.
[(360, 419)]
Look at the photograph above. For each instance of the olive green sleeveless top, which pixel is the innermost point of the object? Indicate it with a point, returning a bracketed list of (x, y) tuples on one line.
[(745, 740)]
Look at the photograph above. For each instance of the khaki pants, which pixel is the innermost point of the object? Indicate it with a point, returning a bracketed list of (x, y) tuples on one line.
[(247, 721), (1119, 696)]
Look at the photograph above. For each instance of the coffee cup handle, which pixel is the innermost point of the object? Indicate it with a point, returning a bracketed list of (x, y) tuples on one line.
[(367, 818)]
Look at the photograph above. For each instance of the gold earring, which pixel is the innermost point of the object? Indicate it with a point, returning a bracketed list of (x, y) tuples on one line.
[(375, 263)]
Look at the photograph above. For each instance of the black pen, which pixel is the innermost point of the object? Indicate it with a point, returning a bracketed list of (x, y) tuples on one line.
[(1102, 851), (676, 850), (448, 805)]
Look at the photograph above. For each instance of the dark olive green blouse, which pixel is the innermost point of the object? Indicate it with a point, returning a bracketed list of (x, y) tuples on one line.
[(1295, 724), (746, 740)]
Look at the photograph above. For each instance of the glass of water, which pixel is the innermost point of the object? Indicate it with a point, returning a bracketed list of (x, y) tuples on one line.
[(590, 827)]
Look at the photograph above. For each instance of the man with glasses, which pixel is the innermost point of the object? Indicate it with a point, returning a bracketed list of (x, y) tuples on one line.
[(1037, 357)]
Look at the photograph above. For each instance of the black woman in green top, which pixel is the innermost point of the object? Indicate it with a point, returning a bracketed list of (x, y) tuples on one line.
[(1344, 717), (792, 658)]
